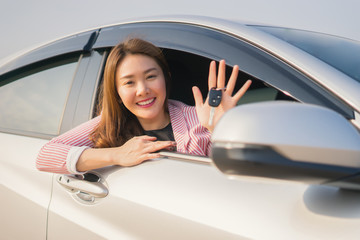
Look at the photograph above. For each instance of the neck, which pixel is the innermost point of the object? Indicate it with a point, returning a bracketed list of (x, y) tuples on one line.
[(160, 122)]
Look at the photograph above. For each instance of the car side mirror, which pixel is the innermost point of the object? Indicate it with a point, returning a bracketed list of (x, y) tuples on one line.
[(288, 140)]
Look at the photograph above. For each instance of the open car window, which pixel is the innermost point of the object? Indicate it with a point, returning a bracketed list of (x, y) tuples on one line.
[(189, 70), (190, 48), (182, 40)]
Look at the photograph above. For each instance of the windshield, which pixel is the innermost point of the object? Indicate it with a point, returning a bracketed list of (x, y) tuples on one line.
[(343, 54)]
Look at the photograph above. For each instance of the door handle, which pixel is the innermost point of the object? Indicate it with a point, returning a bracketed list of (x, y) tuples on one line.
[(73, 184)]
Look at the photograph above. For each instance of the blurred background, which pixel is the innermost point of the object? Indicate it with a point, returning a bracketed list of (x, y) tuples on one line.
[(26, 24)]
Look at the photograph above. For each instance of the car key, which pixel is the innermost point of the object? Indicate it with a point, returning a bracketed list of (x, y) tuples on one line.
[(215, 96)]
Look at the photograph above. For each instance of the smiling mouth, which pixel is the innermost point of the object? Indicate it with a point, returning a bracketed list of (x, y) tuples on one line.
[(146, 102)]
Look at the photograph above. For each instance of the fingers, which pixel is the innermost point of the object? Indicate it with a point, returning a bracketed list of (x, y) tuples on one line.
[(232, 81), (242, 90), (149, 144), (221, 75), (139, 149), (151, 156), (145, 138), (146, 157), (218, 80), (197, 96), (150, 150), (158, 145), (212, 75)]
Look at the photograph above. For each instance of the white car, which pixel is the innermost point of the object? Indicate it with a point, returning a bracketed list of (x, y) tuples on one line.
[(285, 162)]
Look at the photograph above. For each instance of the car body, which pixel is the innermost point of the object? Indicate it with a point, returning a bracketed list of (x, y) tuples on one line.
[(54, 88)]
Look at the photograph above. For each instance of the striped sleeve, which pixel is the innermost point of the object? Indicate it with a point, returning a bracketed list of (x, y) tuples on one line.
[(200, 137), (191, 137), (54, 156)]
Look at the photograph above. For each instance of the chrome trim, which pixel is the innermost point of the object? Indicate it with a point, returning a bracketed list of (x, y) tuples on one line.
[(97, 85), (68, 93), (356, 121), (185, 157)]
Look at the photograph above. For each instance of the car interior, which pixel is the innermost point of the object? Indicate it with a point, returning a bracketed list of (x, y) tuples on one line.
[(189, 70)]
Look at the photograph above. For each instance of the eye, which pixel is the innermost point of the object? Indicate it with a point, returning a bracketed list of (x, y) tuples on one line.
[(128, 83), (151, 76)]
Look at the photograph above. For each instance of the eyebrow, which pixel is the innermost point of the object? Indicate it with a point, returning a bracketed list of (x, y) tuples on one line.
[(131, 75)]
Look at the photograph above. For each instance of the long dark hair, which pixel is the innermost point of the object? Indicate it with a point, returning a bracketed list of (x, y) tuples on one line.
[(118, 124)]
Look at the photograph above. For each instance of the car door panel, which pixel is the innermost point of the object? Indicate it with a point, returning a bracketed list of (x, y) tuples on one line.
[(25, 192), (172, 199), (140, 205), (34, 100)]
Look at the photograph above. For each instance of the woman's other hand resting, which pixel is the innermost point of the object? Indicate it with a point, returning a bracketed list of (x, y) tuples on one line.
[(133, 152)]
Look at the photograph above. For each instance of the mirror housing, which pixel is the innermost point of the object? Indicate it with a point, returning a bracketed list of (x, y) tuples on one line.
[(288, 140)]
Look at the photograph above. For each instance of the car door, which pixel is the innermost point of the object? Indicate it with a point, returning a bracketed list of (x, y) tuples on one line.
[(185, 197), (33, 101), (39, 92)]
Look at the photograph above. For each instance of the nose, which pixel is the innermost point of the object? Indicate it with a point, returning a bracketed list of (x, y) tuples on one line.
[(142, 88)]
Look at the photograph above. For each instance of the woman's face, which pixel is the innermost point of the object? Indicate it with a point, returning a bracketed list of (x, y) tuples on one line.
[(140, 84)]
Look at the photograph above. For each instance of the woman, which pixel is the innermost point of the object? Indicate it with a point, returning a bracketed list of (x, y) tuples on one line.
[(137, 120)]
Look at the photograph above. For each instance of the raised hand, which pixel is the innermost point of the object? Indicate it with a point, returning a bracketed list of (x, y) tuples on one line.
[(228, 101)]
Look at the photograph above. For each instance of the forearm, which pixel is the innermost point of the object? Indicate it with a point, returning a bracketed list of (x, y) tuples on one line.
[(93, 158), (61, 154)]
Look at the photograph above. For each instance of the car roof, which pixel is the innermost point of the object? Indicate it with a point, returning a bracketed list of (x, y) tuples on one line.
[(330, 78)]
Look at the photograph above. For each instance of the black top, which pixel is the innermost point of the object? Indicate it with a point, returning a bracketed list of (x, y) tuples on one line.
[(164, 134)]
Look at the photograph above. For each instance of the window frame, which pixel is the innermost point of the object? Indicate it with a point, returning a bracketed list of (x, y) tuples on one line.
[(69, 99), (83, 94), (214, 44)]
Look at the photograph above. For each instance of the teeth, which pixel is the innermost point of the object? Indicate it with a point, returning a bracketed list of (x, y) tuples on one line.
[(146, 102)]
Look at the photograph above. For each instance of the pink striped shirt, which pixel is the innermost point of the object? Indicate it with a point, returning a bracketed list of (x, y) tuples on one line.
[(62, 152)]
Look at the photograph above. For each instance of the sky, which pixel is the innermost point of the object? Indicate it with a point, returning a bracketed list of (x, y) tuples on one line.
[(29, 23)]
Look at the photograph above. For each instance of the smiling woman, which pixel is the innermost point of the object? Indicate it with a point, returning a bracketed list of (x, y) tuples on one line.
[(125, 77), (134, 102), (141, 86)]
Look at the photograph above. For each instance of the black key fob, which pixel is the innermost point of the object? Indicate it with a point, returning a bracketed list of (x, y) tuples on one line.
[(215, 97)]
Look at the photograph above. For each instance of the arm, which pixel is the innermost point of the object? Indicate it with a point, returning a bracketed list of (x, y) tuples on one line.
[(228, 101), (60, 154), (73, 152)]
